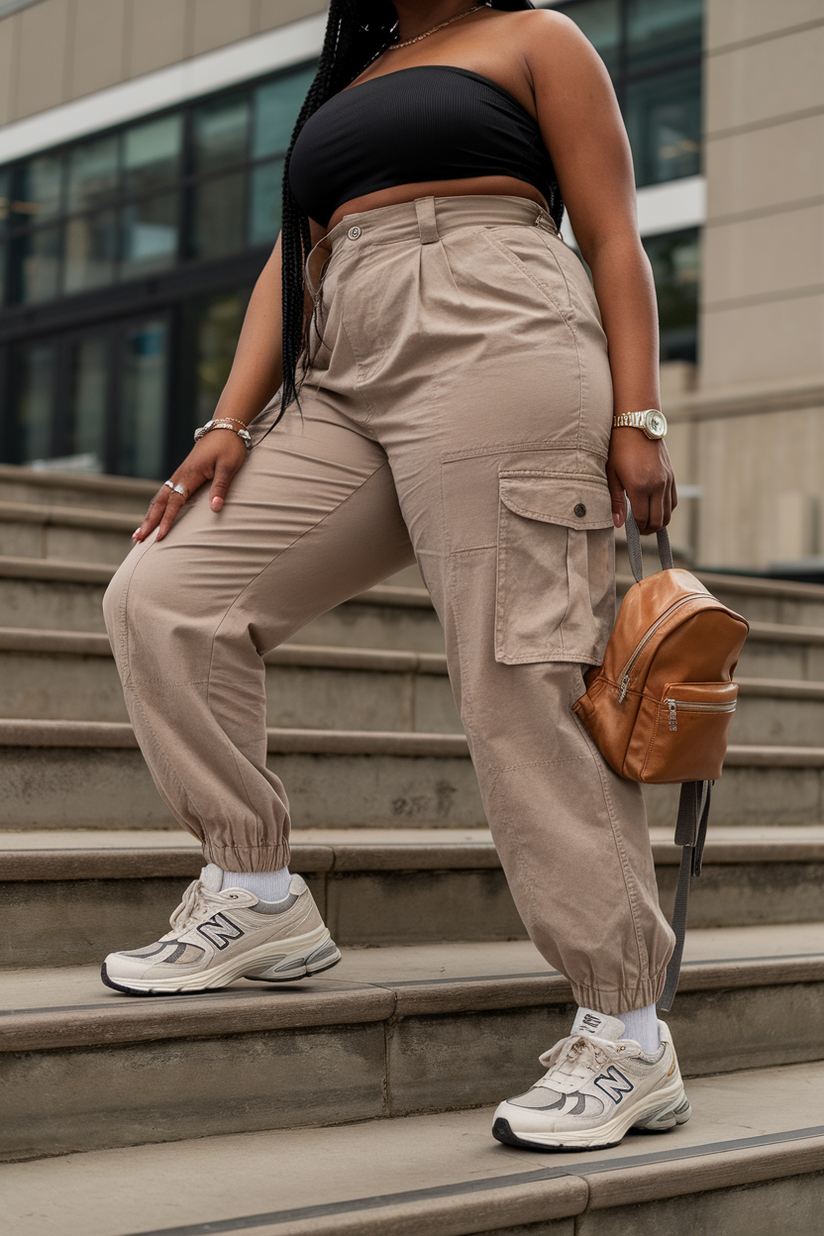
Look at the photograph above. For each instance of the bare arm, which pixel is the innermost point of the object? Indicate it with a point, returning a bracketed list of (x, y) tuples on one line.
[(584, 132), (255, 377)]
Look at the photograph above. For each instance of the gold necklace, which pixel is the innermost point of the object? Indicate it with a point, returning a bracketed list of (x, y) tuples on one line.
[(440, 26)]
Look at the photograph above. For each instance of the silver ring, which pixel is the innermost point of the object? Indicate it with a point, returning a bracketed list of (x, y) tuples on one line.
[(169, 484), (178, 489)]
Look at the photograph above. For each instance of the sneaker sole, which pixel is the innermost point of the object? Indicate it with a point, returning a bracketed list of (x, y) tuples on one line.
[(298, 958), (661, 1111)]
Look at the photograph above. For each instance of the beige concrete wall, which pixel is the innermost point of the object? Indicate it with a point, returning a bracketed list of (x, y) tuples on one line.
[(57, 50), (762, 310)]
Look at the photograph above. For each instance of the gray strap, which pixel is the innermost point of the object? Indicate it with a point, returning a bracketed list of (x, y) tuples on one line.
[(636, 560), (690, 831)]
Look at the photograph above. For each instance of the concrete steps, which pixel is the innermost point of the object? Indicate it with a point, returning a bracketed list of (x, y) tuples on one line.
[(440, 1003), (748, 1163), (72, 897), (389, 1032)]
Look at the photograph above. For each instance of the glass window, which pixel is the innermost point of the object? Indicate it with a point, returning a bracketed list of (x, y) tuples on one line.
[(92, 173), (600, 21), (35, 401), (222, 132), (151, 153), (265, 202), (219, 321), (663, 118), (91, 251), (220, 216), (40, 190), (276, 109), (142, 415), (658, 32), (150, 232), (675, 259), (90, 372), (38, 261), (5, 196)]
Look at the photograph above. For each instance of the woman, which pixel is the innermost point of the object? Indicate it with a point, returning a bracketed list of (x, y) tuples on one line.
[(455, 407)]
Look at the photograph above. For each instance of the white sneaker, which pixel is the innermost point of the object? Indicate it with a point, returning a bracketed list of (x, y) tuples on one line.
[(598, 1086), (217, 937)]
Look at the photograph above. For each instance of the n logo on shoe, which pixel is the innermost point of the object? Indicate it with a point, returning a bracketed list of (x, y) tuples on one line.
[(219, 930), (614, 1084)]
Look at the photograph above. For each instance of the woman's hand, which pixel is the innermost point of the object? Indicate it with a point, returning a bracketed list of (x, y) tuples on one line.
[(642, 468), (217, 457)]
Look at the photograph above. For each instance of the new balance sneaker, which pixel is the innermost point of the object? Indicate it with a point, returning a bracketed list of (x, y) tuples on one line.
[(598, 1085), (217, 937)]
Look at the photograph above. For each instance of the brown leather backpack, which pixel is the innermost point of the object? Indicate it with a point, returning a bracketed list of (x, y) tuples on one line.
[(660, 706)]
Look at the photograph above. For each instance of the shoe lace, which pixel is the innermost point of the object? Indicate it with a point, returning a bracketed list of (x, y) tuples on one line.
[(576, 1059), (198, 902)]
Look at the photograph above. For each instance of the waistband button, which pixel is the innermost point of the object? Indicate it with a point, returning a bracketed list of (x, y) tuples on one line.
[(580, 510), (354, 233)]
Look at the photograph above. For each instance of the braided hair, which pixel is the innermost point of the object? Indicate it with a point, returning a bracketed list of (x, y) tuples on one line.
[(357, 31)]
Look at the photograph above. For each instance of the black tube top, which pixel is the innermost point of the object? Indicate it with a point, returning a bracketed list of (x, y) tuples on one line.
[(427, 122)]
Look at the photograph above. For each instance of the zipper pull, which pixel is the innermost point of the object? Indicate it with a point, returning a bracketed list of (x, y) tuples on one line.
[(622, 694), (673, 714)]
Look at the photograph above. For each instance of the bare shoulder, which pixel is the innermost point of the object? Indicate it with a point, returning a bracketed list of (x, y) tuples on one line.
[(552, 42)]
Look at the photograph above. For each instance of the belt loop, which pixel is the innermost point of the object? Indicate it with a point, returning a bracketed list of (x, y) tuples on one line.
[(427, 221)]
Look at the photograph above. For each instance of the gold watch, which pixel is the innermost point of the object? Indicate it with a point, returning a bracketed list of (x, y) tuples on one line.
[(652, 422)]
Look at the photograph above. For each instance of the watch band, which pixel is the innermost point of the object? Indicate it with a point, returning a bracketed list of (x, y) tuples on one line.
[(651, 421)]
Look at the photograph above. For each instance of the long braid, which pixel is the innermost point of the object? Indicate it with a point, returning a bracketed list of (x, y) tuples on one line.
[(356, 31)]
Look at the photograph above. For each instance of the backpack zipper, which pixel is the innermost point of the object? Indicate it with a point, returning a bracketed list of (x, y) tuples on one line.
[(639, 647), (695, 706)]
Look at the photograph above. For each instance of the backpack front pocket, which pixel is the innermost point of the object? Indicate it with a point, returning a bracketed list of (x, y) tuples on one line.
[(555, 587), (689, 731)]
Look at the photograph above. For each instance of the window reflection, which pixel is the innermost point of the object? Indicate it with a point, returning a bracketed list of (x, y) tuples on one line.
[(35, 401), (142, 417), (221, 132), (659, 31), (39, 264), (149, 235), (265, 202), (5, 197), (92, 173), (90, 370), (91, 250), (220, 216), (675, 259), (151, 153), (219, 321), (40, 193), (276, 108), (663, 117)]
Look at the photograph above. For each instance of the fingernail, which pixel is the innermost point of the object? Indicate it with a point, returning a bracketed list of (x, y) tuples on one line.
[(618, 520), (135, 534), (217, 504)]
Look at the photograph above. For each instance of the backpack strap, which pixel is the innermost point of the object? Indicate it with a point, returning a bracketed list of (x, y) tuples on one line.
[(690, 832), (636, 560)]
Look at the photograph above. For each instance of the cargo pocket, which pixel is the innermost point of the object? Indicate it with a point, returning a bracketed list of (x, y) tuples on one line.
[(555, 587)]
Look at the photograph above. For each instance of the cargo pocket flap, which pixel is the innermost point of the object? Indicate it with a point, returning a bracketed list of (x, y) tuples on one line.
[(574, 502)]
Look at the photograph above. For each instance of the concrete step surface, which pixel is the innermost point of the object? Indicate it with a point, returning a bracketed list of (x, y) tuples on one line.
[(748, 1163), (35, 530), (103, 494), (388, 1032), (73, 897), (84, 774)]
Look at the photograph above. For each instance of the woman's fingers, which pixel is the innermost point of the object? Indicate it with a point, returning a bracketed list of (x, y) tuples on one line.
[(153, 515), (173, 507)]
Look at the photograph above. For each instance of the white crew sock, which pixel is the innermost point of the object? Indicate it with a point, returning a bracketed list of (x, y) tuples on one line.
[(642, 1025), (267, 885)]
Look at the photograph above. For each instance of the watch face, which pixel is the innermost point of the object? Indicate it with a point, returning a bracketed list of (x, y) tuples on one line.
[(656, 424)]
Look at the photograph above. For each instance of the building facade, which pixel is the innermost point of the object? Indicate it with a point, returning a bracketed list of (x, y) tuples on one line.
[(141, 152)]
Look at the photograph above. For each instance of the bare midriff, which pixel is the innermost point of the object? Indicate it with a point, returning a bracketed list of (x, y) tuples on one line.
[(507, 186)]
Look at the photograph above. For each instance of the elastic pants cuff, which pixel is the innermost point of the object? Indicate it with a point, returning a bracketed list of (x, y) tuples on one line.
[(613, 1001), (247, 858)]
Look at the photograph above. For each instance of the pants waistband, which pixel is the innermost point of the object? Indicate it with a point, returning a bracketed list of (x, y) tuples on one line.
[(428, 219)]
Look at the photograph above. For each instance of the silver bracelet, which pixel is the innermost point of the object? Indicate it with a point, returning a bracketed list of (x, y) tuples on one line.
[(243, 434)]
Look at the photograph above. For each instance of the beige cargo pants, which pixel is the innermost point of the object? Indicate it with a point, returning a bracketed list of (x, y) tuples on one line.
[(458, 412)]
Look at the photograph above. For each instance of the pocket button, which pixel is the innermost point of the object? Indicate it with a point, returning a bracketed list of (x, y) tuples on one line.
[(354, 233), (580, 510)]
